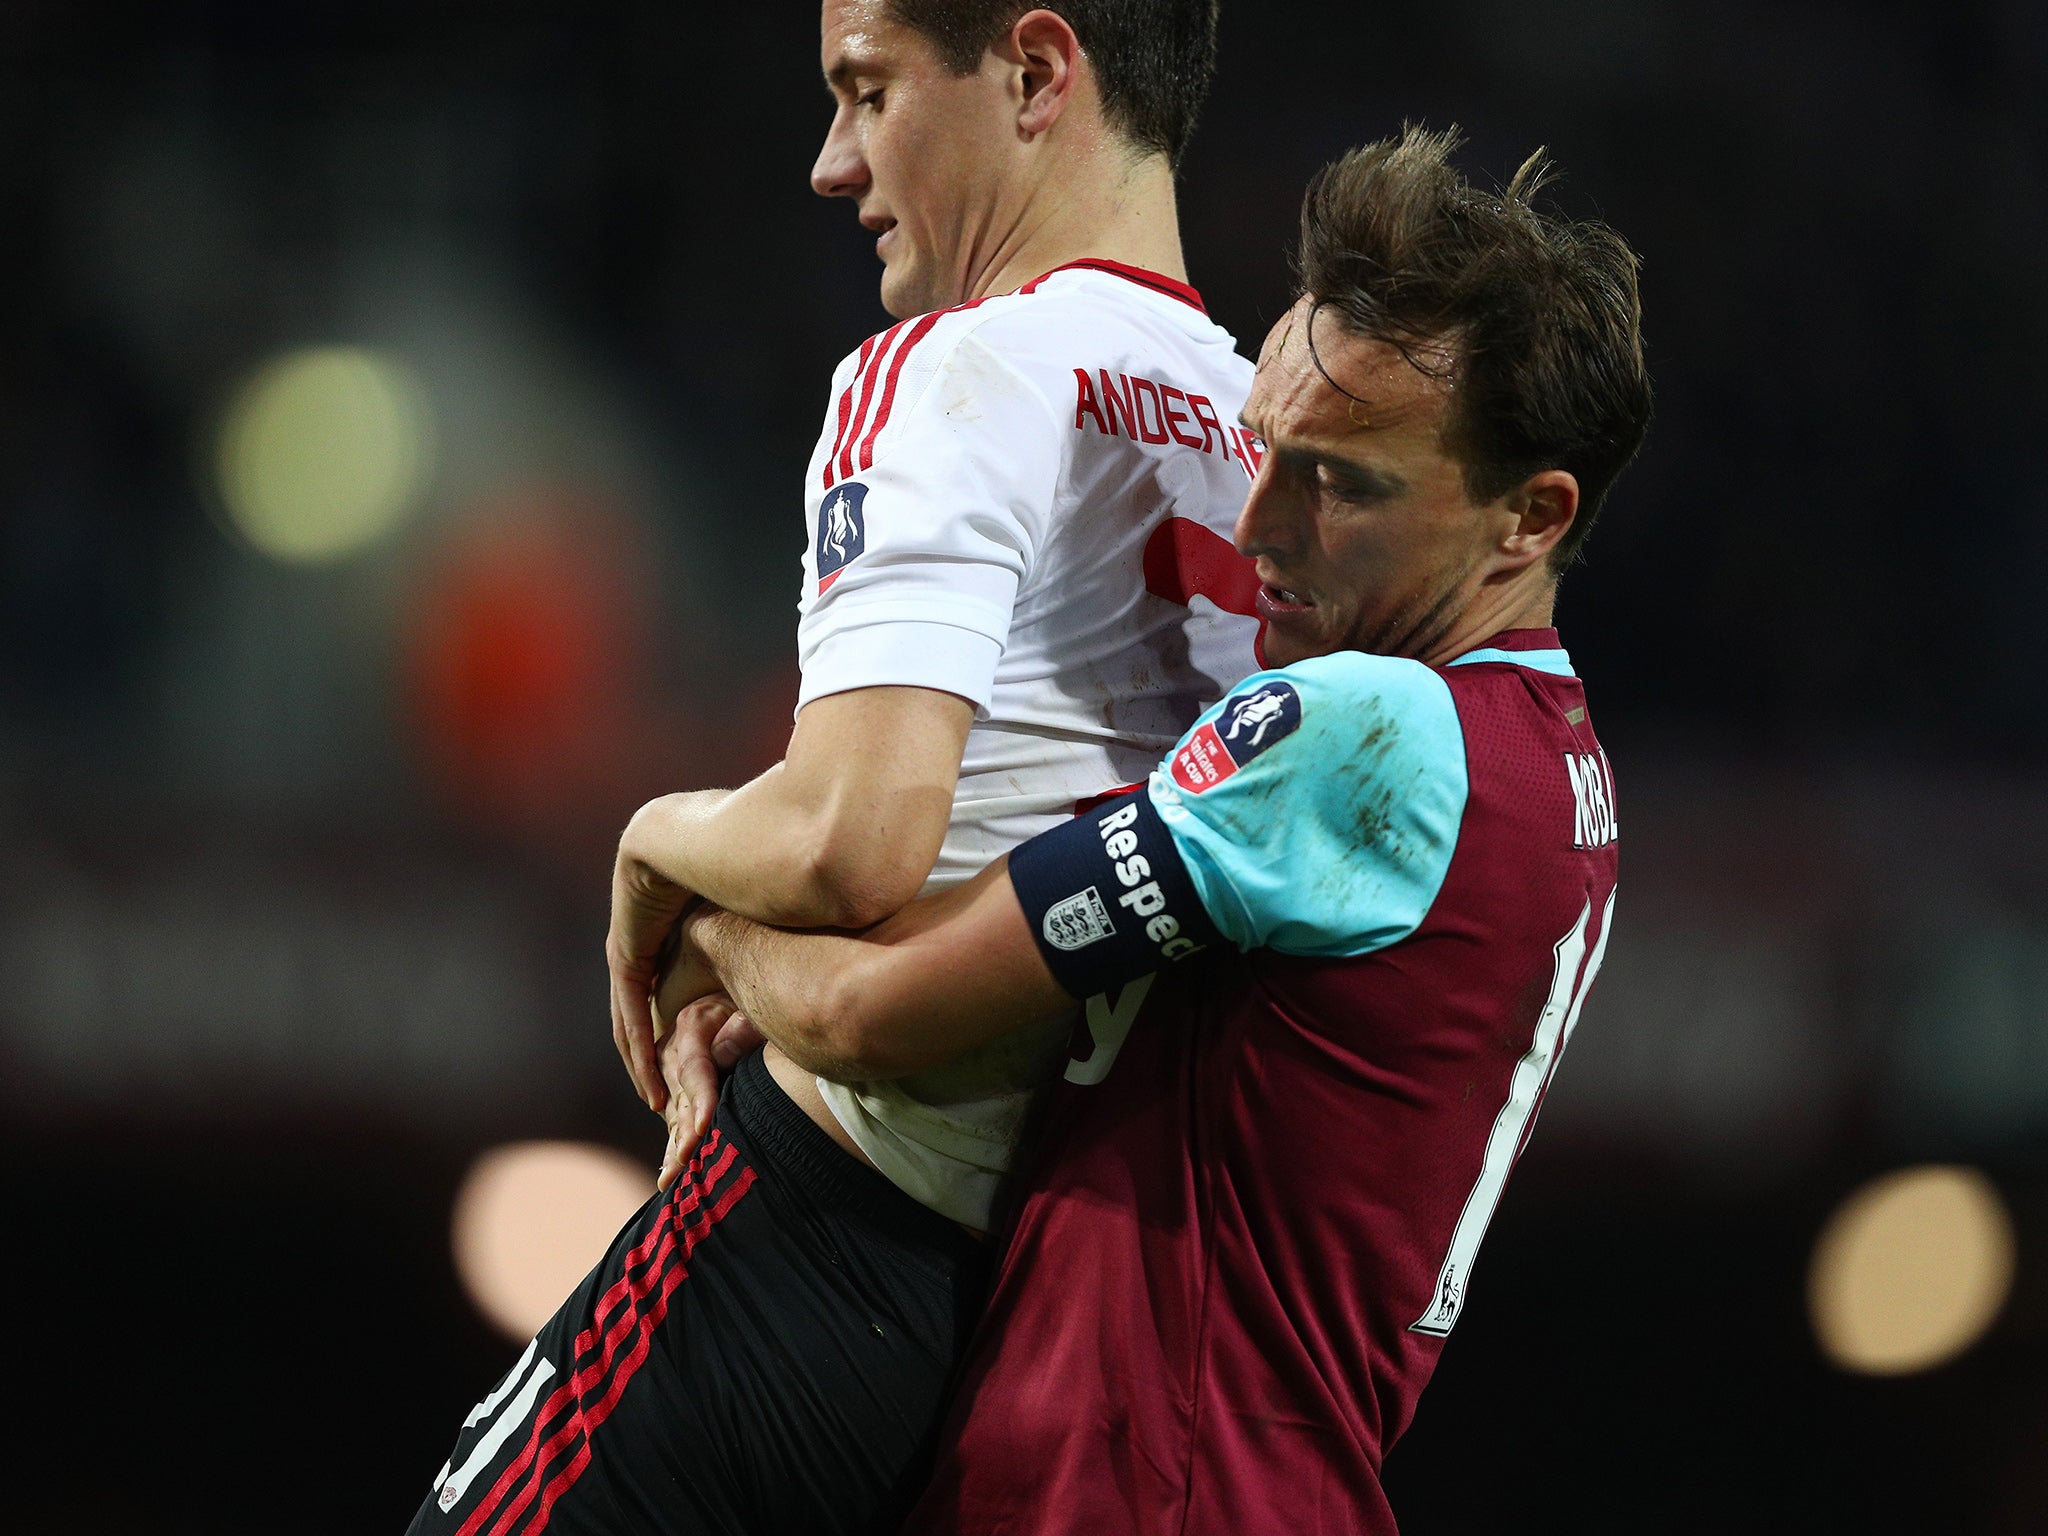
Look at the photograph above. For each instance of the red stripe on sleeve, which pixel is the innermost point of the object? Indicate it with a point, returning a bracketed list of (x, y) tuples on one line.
[(918, 333), (846, 406), (873, 371)]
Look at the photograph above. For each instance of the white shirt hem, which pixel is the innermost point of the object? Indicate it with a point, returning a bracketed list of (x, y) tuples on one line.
[(905, 654)]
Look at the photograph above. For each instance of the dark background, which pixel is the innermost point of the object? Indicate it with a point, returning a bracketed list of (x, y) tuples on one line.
[(301, 904)]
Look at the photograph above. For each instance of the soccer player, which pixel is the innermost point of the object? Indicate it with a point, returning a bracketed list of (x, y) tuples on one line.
[(1018, 590), (1363, 901)]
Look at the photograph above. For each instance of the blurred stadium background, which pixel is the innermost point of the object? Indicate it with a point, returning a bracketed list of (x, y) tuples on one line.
[(403, 406)]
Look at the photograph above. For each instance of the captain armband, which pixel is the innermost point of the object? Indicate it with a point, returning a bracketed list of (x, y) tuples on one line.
[(1109, 898)]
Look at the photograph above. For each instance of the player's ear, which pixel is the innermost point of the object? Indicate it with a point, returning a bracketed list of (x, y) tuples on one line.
[(1541, 509), (1046, 56)]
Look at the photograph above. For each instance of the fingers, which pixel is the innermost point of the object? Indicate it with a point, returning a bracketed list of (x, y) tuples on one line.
[(622, 1039), (696, 1024), (643, 914), (633, 1033), (691, 1076), (689, 1117), (641, 1060), (738, 1037), (616, 990), (699, 1092), (673, 1158), (632, 1029), (675, 1151)]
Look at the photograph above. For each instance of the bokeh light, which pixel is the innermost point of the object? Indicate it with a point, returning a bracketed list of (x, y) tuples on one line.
[(325, 451), (1911, 1270), (527, 671), (533, 1217)]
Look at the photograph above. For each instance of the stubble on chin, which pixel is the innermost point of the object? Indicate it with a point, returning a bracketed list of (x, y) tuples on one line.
[(1421, 624)]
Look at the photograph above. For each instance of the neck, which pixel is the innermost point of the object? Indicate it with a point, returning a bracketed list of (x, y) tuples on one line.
[(1527, 604), (1094, 204)]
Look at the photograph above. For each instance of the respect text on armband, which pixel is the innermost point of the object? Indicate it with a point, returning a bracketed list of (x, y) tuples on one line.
[(1142, 895)]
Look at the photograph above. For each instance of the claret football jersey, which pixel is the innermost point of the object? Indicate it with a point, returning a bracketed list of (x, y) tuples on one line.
[(1028, 502), (1350, 922)]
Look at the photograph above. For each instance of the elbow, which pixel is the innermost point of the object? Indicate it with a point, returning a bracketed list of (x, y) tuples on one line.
[(855, 881), (855, 1033)]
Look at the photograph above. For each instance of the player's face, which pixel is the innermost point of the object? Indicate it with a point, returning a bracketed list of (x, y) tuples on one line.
[(1364, 536), (919, 150)]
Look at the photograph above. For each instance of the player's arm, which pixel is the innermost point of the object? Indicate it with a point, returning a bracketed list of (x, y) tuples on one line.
[(941, 976), (839, 834), (1094, 903), (1267, 828), (910, 587)]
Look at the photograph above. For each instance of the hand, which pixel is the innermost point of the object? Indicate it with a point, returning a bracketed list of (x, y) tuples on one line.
[(690, 1072), (740, 1037), (690, 976), (645, 908)]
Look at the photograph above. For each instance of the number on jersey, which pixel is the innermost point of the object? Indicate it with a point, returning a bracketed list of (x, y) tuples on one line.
[(1568, 988)]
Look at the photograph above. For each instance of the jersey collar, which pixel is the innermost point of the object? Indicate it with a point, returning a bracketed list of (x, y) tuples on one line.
[(1536, 649), (1158, 282)]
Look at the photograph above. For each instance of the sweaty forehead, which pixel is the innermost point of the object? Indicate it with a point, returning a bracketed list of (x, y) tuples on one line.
[(852, 33), (1293, 398)]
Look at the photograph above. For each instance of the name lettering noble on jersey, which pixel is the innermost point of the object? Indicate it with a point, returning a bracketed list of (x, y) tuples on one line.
[(1594, 822)]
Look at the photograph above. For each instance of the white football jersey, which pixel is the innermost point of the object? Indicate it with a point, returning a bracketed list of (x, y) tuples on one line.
[(1027, 501)]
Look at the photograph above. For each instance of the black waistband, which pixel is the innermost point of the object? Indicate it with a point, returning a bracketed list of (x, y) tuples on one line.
[(831, 1176)]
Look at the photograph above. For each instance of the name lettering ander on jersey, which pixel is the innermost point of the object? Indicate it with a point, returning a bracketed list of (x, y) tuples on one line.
[(1129, 405)]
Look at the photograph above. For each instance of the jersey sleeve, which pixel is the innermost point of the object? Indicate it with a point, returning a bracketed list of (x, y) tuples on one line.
[(1312, 812), (940, 496)]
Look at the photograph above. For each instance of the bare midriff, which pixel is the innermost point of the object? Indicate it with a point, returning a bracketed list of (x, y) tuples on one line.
[(802, 1089)]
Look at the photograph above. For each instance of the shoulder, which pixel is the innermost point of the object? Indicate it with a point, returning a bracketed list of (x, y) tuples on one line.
[(1003, 320), (1007, 364), (1381, 684), (1044, 319), (1071, 317), (985, 352), (1318, 806), (1359, 719)]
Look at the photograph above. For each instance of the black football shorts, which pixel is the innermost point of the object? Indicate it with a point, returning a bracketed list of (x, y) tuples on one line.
[(765, 1350)]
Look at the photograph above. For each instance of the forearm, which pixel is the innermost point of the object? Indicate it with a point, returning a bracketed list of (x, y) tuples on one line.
[(785, 981), (737, 848), (759, 852), (941, 977), (840, 834)]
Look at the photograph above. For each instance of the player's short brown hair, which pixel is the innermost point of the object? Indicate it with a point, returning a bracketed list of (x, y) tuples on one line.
[(1538, 314), (1153, 59)]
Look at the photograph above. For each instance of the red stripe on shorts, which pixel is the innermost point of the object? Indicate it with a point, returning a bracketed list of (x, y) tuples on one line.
[(659, 1245), (593, 1417)]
